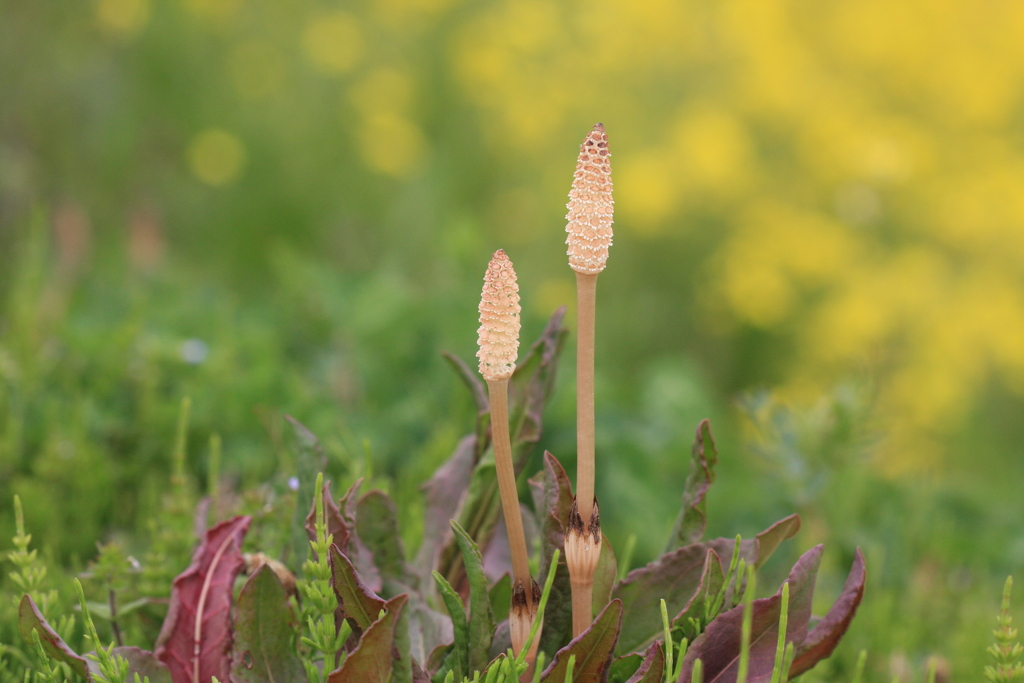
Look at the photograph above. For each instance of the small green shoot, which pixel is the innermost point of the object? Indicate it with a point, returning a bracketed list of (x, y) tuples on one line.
[(324, 635), (780, 649), (748, 616), (1007, 650)]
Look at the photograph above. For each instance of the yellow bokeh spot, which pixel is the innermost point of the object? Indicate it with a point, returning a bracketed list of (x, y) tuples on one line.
[(714, 147), (125, 17), (333, 42), (383, 89), (644, 190), (216, 157), (391, 144), (758, 294), (214, 11), (555, 292), (257, 69)]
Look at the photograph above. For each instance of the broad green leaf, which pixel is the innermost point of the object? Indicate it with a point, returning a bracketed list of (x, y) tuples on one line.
[(719, 646), (711, 581), (500, 597), (481, 620), (593, 649), (359, 603), (372, 661), (624, 667), (689, 525), (458, 658), (263, 650), (29, 617)]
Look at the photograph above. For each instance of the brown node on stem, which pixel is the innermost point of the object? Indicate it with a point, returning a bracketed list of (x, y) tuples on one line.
[(582, 545), (590, 205), (521, 616), (498, 335)]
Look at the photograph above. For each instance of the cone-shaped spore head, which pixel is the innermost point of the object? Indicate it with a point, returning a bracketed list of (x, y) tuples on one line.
[(590, 207), (499, 320)]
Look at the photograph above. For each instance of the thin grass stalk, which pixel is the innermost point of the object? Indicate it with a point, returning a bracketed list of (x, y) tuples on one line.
[(780, 649), (862, 660), (748, 617)]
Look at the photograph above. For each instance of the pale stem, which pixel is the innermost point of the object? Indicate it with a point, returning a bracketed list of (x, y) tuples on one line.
[(498, 390), (586, 297), (582, 606)]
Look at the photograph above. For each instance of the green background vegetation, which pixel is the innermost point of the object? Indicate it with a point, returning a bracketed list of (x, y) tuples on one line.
[(285, 208)]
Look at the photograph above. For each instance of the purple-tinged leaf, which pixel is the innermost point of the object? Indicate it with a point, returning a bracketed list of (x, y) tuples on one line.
[(265, 630), (719, 646), (360, 555), (373, 659), (139, 662), (593, 648), (444, 493), (360, 605), (693, 518), (771, 538), (336, 525), (824, 637), (652, 670), (377, 526), (552, 499), (29, 617), (419, 674), (195, 641), (676, 577), (427, 628)]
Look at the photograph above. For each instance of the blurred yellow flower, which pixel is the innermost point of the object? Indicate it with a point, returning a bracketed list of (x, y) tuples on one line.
[(391, 144), (125, 17), (333, 42), (216, 157), (257, 69)]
